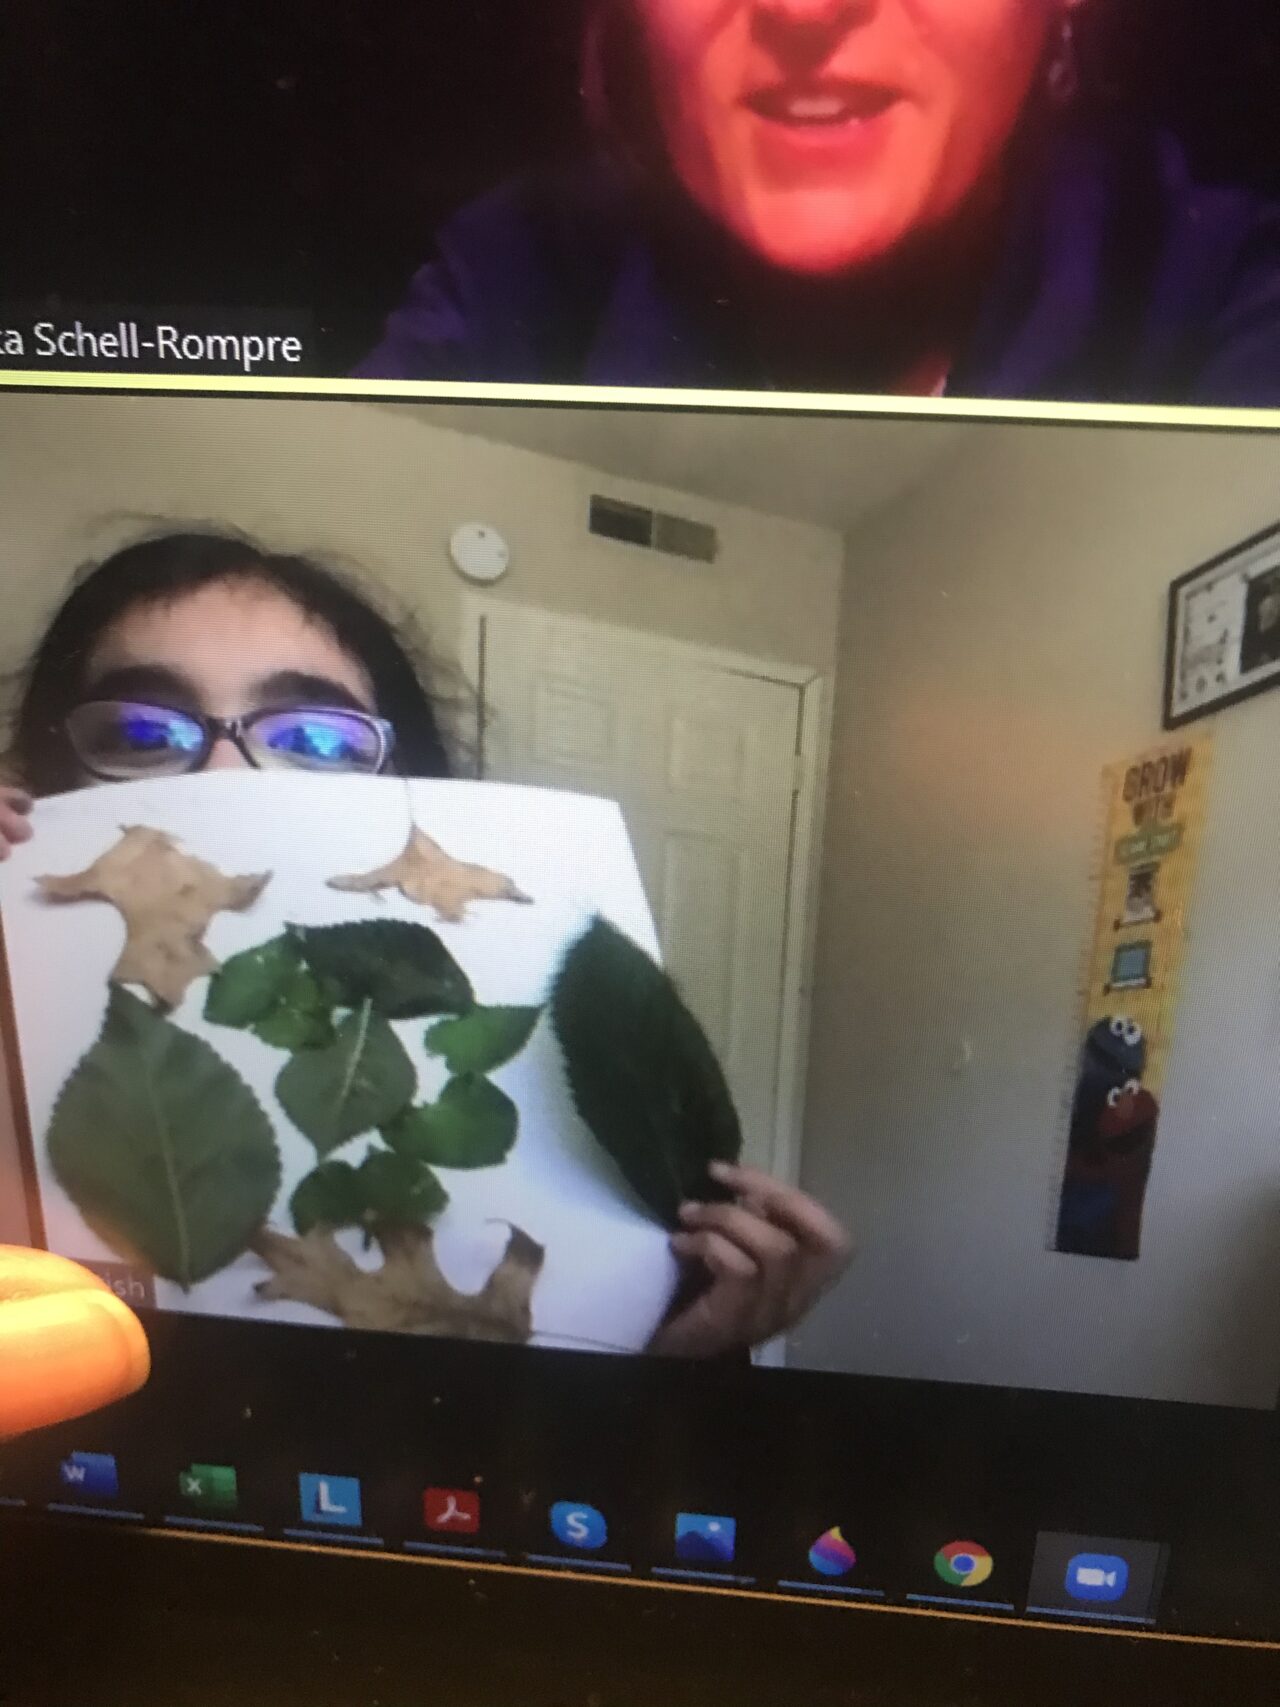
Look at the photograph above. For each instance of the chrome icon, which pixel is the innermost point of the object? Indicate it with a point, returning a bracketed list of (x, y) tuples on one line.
[(963, 1564), (831, 1554)]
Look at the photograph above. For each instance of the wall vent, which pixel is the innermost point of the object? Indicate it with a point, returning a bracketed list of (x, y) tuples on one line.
[(677, 536)]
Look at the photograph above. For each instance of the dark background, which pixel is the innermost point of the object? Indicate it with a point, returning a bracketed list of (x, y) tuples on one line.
[(101, 1615), (94, 1619), (299, 153)]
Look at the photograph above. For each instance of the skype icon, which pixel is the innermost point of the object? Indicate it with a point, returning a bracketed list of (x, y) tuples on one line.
[(576, 1525)]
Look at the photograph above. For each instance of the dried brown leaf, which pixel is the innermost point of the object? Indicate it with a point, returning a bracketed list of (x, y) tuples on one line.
[(426, 874), (408, 1294), (167, 899)]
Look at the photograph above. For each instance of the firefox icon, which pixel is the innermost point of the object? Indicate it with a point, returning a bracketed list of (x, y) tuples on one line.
[(831, 1555)]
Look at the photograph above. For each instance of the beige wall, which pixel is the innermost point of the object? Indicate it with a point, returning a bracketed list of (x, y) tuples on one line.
[(77, 473), (1002, 640)]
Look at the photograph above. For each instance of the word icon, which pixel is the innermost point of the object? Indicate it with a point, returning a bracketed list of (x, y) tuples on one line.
[(92, 1473)]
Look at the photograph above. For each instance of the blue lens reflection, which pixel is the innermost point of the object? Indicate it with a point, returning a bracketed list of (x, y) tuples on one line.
[(153, 732), (330, 741)]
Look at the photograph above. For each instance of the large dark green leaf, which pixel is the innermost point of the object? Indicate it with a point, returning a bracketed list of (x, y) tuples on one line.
[(403, 969), (472, 1125), (642, 1074), (361, 1080), (483, 1039), (162, 1146)]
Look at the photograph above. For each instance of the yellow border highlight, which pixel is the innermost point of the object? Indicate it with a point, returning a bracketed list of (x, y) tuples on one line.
[(653, 397), (474, 1566)]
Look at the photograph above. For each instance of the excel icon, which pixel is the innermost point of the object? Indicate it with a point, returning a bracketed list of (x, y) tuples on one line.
[(209, 1487)]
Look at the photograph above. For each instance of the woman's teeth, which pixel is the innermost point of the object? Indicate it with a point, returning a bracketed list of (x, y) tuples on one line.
[(816, 109), (834, 105)]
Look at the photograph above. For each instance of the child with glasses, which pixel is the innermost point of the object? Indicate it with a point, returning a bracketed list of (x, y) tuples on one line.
[(201, 651)]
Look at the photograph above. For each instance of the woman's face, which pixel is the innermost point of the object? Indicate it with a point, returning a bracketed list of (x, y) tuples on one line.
[(823, 132), (232, 648)]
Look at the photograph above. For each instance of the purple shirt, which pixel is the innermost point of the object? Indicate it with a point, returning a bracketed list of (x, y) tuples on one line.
[(1119, 279)]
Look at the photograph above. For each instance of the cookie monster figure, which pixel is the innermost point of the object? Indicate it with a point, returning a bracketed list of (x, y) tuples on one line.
[(1109, 1149)]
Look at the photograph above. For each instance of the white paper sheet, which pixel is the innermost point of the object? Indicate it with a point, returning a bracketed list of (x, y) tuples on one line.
[(609, 1274)]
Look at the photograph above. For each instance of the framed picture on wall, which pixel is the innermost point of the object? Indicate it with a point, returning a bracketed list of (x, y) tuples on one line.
[(1223, 641)]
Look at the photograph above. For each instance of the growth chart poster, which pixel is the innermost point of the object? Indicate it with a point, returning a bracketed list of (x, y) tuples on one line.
[(1155, 806)]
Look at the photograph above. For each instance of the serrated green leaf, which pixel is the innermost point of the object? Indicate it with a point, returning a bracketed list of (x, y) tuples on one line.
[(472, 1125), (361, 1080), (404, 970), (329, 1196), (302, 1017), (483, 1039), (398, 1191), (272, 992), (162, 1146), (246, 988), (641, 1072)]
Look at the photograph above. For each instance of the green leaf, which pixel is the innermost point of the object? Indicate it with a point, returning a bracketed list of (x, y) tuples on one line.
[(162, 1146), (246, 988), (472, 1125), (641, 1072), (483, 1039), (303, 1016), (329, 1196), (361, 1080), (271, 991), (398, 1191), (402, 969)]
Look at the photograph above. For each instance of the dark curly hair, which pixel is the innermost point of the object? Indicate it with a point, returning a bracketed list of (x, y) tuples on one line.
[(168, 566)]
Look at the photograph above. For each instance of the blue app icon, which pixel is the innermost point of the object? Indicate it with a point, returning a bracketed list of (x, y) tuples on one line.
[(90, 1473), (330, 1499), (578, 1525), (1097, 1576), (705, 1540)]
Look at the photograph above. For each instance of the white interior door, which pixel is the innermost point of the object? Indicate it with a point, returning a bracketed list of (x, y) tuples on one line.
[(703, 760)]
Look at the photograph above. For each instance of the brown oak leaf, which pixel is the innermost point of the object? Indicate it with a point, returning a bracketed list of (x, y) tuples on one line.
[(408, 1294), (426, 874), (167, 899)]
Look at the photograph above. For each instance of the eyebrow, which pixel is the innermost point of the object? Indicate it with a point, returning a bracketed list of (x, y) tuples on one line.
[(297, 687), (283, 688), (142, 681)]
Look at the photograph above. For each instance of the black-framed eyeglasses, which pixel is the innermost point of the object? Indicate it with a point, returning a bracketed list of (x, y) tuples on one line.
[(125, 740)]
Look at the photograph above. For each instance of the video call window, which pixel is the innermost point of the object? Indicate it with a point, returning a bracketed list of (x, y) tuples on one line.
[(1066, 200), (962, 944)]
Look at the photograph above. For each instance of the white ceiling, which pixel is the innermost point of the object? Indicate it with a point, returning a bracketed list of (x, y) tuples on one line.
[(831, 470)]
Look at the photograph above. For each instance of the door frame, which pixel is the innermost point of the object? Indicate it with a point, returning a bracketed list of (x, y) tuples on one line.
[(808, 814)]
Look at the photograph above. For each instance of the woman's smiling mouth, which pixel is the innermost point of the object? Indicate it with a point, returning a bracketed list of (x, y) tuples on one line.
[(820, 102)]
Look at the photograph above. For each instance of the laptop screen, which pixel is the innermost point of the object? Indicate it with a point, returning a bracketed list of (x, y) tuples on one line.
[(672, 997)]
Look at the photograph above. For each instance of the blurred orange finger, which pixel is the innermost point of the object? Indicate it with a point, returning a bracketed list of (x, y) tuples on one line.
[(67, 1343)]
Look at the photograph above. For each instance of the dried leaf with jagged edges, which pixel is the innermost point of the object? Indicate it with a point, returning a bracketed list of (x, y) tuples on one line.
[(426, 874), (167, 899), (408, 1293)]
